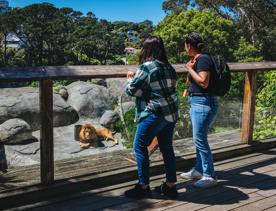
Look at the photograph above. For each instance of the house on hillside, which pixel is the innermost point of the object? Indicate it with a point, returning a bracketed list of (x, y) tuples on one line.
[(132, 37), (13, 41), (130, 50)]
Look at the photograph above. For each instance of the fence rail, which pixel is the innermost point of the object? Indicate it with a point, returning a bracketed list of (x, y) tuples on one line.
[(17, 74), (46, 75)]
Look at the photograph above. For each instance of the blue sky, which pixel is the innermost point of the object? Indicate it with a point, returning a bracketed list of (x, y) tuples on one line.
[(112, 10)]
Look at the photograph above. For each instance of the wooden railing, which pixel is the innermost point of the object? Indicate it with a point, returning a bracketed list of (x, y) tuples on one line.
[(46, 75)]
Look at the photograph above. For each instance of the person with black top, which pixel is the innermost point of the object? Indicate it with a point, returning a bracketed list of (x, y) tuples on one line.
[(203, 110)]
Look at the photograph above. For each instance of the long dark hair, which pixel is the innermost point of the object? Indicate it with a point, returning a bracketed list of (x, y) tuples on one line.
[(195, 40), (153, 48)]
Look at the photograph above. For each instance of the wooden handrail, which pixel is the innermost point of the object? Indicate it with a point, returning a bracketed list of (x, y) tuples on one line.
[(102, 71), (46, 74)]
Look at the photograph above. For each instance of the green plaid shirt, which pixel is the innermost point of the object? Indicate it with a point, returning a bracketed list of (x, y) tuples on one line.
[(154, 86)]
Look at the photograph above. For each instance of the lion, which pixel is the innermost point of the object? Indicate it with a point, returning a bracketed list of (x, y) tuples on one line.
[(89, 135)]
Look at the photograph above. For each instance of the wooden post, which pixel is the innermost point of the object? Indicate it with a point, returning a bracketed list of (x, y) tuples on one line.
[(249, 99), (46, 132)]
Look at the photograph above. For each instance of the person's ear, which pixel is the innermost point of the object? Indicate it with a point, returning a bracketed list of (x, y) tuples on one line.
[(187, 47)]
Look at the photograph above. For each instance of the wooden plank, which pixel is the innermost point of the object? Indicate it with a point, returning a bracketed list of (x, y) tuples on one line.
[(233, 179), (90, 175), (107, 199), (192, 193), (106, 71), (271, 209), (250, 88), (259, 205), (46, 132), (229, 196)]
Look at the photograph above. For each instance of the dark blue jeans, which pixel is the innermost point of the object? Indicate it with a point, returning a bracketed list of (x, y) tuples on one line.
[(203, 110), (147, 129)]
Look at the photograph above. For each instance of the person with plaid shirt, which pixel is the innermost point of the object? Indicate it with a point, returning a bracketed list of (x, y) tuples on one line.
[(154, 86)]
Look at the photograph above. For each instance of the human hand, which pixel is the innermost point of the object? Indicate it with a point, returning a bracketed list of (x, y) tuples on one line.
[(190, 64), (130, 75)]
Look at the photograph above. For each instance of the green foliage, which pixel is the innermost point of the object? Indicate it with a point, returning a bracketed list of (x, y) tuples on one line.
[(59, 36), (115, 60), (133, 59), (1, 58), (246, 52), (254, 19), (218, 32), (34, 84), (265, 118), (56, 84), (237, 86), (183, 127), (131, 127), (16, 57)]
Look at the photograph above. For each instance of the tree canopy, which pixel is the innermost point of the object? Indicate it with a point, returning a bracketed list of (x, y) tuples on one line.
[(220, 33), (255, 19), (54, 36)]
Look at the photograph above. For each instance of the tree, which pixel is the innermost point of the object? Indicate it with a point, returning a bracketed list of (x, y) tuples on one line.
[(220, 33), (255, 18), (5, 29), (175, 6)]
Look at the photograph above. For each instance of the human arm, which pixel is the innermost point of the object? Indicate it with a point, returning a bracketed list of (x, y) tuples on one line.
[(136, 82), (201, 78)]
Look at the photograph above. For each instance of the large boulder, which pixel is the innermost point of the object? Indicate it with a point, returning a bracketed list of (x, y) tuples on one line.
[(89, 100), (116, 86), (23, 103), (15, 131), (109, 119)]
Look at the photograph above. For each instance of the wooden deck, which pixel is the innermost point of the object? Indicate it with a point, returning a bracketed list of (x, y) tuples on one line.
[(99, 180), (245, 183), (93, 165)]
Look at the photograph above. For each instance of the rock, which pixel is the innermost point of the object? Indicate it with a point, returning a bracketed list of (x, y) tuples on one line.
[(126, 107), (116, 86), (15, 131), (108, 119), (99, 81), (62, 91), (89, 100), (23, 103), (22, 155), (65, 147)]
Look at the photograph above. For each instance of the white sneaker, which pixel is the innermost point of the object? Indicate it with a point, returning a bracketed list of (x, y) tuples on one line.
[(192, 174), (206, 182)]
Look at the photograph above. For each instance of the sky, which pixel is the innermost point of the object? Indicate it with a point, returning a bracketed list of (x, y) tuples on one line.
[(112, 10)]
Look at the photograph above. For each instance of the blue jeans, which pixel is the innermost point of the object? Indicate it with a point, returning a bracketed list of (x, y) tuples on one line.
[(147, 129), (203, 110)]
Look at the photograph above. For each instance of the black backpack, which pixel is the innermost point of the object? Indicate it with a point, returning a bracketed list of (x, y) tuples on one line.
[(220, 77)]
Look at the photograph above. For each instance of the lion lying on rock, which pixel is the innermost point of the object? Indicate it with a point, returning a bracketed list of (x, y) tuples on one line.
[(89, 135)]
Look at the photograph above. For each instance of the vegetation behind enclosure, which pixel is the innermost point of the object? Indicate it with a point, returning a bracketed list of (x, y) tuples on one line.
[(240, 31)]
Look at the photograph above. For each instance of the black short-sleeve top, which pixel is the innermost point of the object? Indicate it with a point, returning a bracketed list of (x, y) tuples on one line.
[(203, 63)]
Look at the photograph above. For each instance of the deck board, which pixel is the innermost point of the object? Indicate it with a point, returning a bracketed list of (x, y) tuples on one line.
[(17, 177), (246, 183)]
